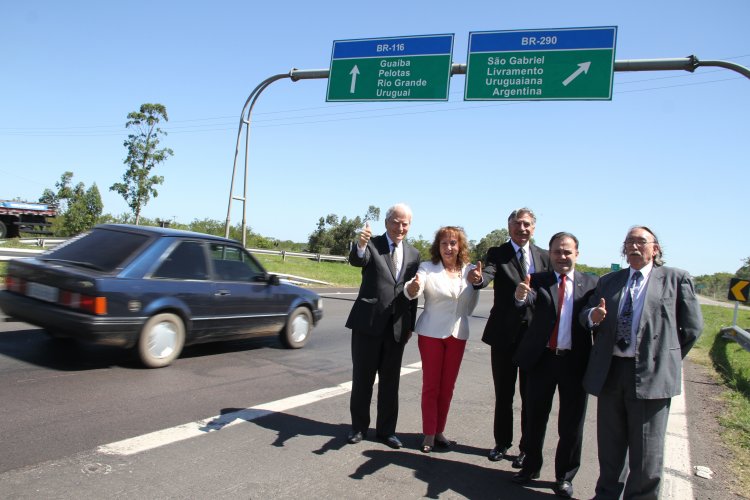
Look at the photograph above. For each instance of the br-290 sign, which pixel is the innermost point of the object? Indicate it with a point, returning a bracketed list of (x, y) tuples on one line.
[(411, 68), (557, 64)]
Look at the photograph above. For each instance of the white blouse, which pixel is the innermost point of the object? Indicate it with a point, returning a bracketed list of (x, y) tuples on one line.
[(448, 301)]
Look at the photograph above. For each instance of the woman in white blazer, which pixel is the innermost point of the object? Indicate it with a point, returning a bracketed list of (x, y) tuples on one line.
[(443, 326)]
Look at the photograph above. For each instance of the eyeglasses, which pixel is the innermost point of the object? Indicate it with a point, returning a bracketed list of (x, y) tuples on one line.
[(641, 242)]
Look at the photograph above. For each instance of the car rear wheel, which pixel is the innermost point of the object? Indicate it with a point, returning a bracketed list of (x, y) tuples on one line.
[(299, 324), (161, 340)]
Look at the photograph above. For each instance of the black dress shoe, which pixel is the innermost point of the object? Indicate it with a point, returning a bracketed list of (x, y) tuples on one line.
[(445, 444), (524, 477), (563, 489), (355, 437), (518, 461), (391, 441), (497, 453)]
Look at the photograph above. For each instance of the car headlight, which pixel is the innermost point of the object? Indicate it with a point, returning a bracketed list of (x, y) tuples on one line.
[(320, 303)]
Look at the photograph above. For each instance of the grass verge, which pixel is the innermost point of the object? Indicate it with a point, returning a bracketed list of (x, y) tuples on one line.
[(334, 273), (730, 363)]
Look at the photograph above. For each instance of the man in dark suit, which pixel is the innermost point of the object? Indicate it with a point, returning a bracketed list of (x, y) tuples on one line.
[(507, 265), (645, 320), (554, 353), (382, 320)]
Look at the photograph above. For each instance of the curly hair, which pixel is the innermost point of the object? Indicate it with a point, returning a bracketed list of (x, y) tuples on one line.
[(463, 244)]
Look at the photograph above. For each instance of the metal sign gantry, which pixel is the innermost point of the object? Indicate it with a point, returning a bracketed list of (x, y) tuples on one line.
[(690, 63)]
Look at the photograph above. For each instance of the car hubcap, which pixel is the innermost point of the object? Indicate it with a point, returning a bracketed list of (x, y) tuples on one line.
[(162, 339), (300, 328)]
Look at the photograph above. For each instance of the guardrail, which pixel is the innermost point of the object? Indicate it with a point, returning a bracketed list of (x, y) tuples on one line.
[(284, 254), (734, 332)]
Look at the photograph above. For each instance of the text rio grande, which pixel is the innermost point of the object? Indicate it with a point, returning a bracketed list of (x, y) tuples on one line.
[(394, 79)]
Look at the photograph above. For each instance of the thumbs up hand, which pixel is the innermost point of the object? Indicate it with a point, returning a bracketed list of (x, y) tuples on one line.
[(599, 312), (365, 235), (475, 275), (523, 288), (413, 286)]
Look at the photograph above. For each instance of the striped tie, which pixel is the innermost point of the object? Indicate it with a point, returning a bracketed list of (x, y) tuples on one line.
[(523, 261)]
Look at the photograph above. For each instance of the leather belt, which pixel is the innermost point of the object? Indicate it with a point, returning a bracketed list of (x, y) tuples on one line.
[(559, 352)]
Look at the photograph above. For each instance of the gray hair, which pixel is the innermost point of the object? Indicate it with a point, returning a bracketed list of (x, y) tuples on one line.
[(398, 207), (515, 214), (658, 255)]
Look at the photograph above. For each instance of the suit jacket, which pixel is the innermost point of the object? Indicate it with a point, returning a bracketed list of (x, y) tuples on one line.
[(543, 303), (446, 313), (670, 324), (505, 322), (381, 295)]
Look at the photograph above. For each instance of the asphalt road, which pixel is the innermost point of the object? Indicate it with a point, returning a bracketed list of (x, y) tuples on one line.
[(249, 419)]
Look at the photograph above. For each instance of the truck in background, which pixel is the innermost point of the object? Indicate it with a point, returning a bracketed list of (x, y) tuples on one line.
[(18, 217)]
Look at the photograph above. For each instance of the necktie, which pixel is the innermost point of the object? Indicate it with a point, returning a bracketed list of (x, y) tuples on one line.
[(523, 261), (394, 258), (625, 320), (560, 300)]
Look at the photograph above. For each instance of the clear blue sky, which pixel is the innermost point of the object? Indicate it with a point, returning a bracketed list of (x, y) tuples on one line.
[(668, 151)]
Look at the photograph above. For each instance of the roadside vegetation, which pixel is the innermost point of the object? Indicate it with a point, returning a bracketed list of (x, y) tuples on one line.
[(730, 364)]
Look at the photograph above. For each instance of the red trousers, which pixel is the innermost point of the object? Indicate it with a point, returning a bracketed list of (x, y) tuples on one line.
[(441, 360)]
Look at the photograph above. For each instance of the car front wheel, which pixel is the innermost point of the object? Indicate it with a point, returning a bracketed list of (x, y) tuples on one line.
[(161, 340), (299, 324)]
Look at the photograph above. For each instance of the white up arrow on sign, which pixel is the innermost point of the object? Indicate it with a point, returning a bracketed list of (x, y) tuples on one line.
[(354, 72)]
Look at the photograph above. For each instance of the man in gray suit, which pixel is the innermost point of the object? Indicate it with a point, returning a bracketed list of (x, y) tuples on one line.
[(645, 319), (382, 320)]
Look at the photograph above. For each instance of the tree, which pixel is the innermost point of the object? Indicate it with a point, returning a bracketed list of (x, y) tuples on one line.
[(78, 209), (84, 209), (334, 236), (744, 271), (493, 239), (422, 245), (138, 184), (60, 197)]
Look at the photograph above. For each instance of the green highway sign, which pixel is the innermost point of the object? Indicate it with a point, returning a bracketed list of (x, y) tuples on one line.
[(411, 68), (556, 64)]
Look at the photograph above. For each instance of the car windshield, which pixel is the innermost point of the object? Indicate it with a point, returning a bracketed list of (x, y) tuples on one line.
[(100, 249)]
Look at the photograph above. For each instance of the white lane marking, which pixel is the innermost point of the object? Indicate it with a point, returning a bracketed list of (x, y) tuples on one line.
[(677, 471), (189, 430)]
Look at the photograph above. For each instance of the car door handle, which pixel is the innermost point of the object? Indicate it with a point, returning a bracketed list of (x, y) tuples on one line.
[(222, 293)]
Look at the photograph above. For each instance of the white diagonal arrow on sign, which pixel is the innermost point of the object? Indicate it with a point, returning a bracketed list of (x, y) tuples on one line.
[(354, 72), (582, 68)]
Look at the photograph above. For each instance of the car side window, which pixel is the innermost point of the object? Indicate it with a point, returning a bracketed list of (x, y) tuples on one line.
[(187, 261), (234, 264)]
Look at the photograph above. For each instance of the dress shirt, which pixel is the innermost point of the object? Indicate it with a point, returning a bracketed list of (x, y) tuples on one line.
[(399, 252), (527, 250), (639, 297), (564, 340)]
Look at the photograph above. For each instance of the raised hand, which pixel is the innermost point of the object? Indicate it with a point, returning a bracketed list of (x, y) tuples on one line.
[(413, 286), (599, 312), (523, 288), (475, 275), (365, 235)]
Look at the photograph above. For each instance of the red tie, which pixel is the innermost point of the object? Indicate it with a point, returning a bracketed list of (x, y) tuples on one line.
[(560, 300)]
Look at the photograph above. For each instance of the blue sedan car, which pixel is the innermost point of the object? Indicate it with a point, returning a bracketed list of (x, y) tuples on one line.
[(156, 290)]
